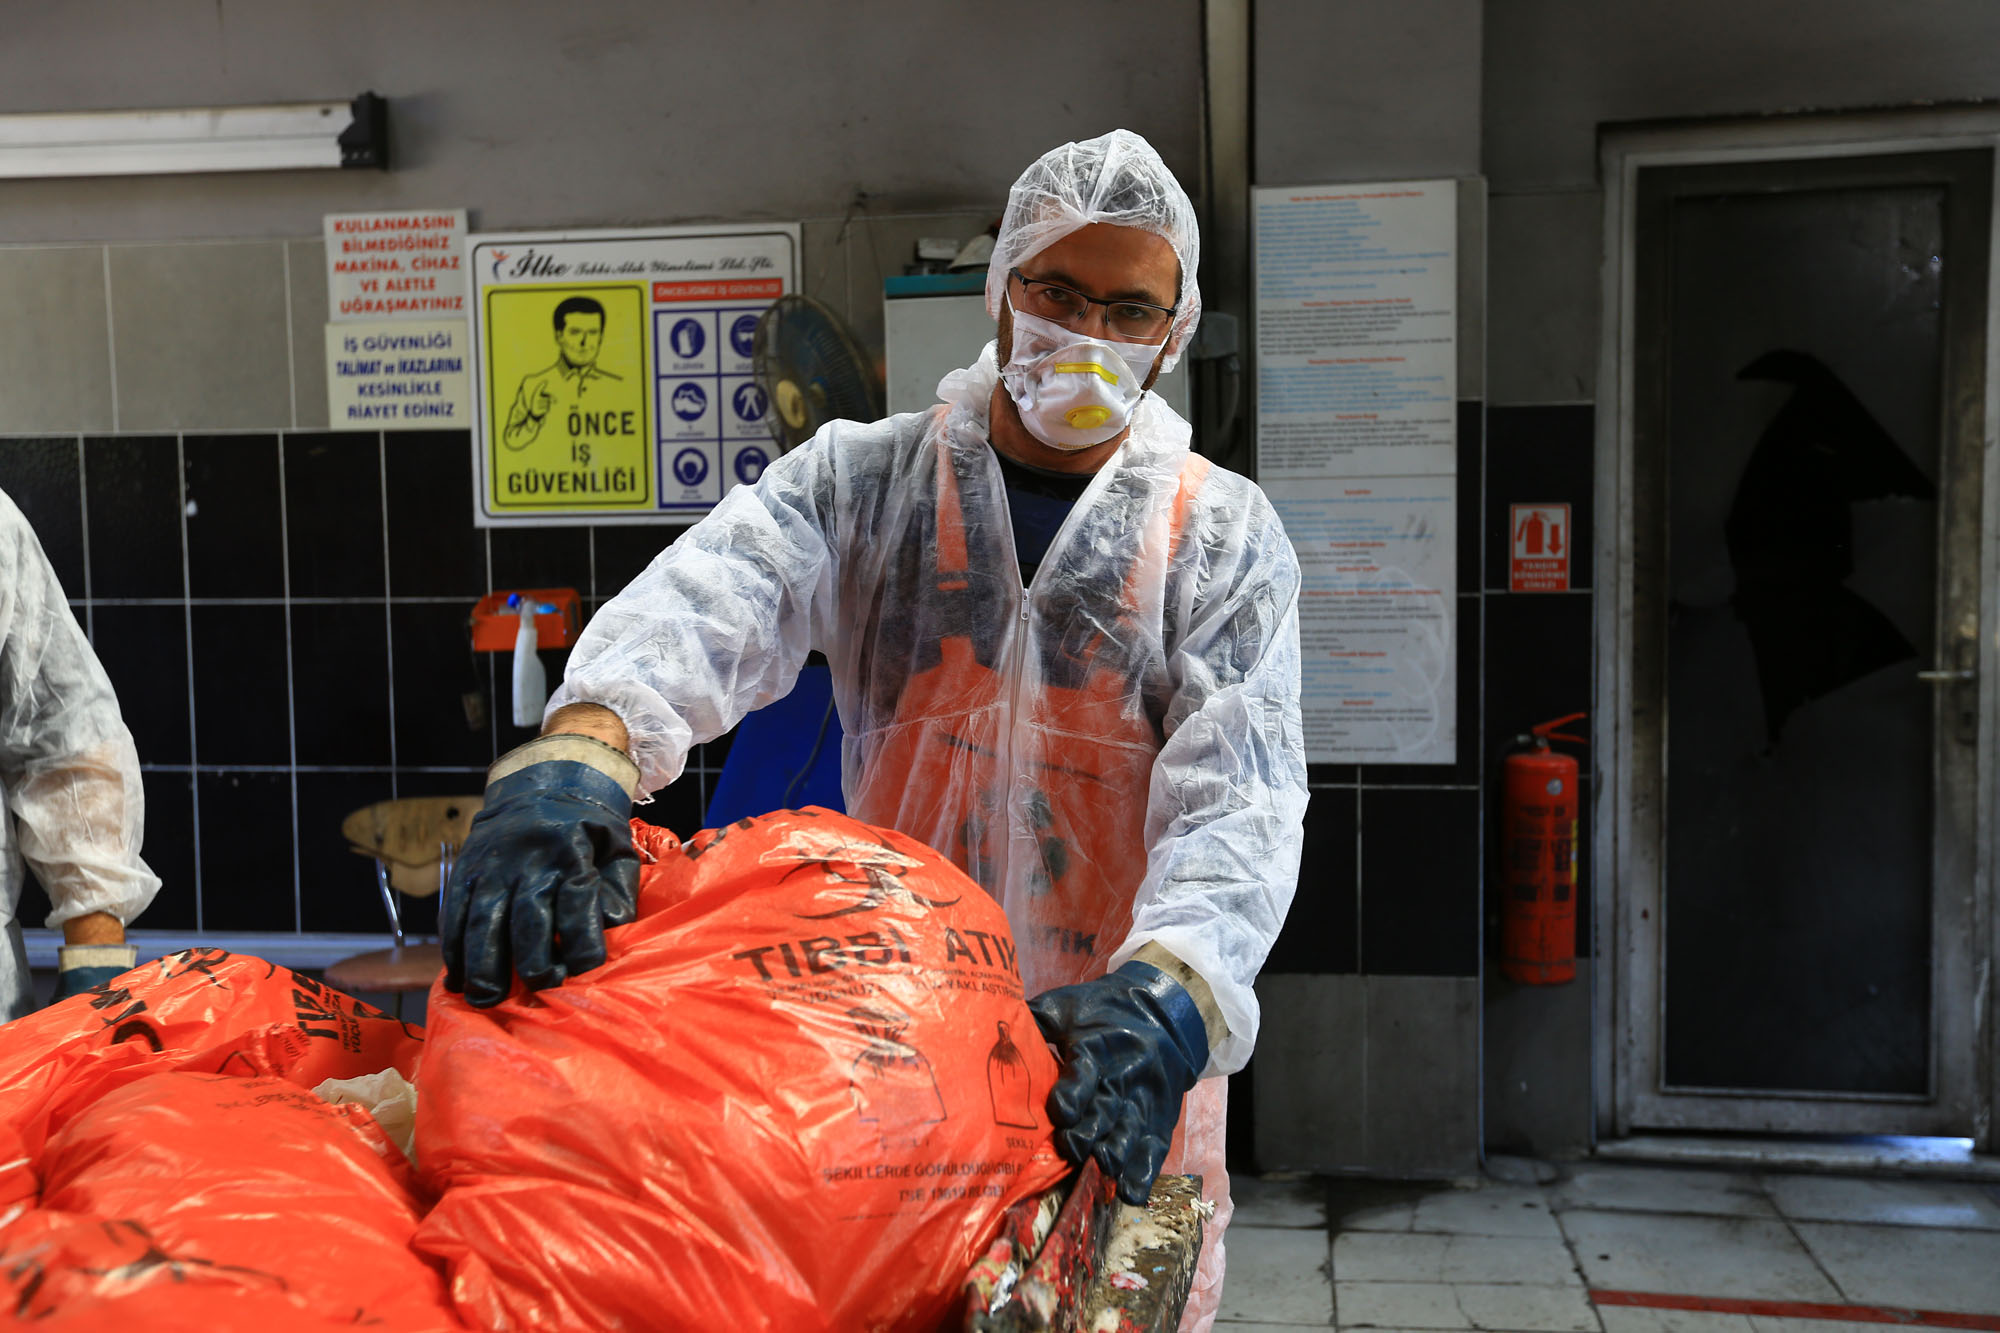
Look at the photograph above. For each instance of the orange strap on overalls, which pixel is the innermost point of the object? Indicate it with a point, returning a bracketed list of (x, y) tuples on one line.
[(1081, 787)]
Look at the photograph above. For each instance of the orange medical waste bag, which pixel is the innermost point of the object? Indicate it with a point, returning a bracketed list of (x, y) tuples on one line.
[(162, 1163), (798, 1095), (234, 1192), (206, 1010)]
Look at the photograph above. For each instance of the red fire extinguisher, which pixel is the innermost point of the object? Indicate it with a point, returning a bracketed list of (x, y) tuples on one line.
[(1538, 807)]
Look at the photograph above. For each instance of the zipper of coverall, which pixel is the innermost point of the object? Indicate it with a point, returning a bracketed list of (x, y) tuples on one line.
[(1017, 654)]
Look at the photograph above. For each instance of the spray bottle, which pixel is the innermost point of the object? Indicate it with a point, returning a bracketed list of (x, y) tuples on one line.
[(531, 683)]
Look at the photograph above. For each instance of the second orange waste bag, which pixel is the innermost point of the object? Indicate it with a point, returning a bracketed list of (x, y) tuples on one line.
[(798, 1096)]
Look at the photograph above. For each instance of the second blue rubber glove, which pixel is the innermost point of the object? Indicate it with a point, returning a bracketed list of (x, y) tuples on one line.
[(1131, 1045)]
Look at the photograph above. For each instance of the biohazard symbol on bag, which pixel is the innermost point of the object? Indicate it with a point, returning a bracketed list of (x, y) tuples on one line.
[(894, 1088)]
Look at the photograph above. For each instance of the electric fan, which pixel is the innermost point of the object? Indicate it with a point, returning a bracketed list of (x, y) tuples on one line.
[(811, 369)]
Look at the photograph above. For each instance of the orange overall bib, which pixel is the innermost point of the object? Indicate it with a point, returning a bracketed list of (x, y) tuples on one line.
[(1054, 778)]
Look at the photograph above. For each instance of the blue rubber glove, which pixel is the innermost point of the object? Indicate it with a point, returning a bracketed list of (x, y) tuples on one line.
[(1131, 1045), (80, 979), (546, 866), (83, 966)]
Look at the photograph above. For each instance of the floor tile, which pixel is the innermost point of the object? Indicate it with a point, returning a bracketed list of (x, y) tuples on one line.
[(1375, 1205), (1277, 1203), (1363, 1256), (1928, 1268), (1654, 1189), (1700, 1256), (1497, 1210), (1397, 1305), (1633, 1319), (1492, 1210), (1533, 1309), (1915, 1203), (1513, 1307), (1277, 1275)]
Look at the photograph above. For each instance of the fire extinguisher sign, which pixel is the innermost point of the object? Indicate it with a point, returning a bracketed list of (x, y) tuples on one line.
[(1540, 543)]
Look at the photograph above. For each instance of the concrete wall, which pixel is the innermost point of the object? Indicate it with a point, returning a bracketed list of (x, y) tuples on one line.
[(1365, 90), (602, 112)]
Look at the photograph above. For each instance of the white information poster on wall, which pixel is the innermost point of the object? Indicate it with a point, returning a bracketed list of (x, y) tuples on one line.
[(1357, 442), (1378, 570), (408, 265), (396, 333), (398, 374), (612, 371)]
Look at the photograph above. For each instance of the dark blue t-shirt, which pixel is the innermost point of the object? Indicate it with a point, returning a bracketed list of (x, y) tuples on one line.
[(1037, 502)]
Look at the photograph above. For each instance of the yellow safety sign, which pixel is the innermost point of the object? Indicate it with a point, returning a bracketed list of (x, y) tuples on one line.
[(568, 419)]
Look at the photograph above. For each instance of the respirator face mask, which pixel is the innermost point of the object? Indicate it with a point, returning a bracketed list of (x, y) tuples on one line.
[(1073, 391)]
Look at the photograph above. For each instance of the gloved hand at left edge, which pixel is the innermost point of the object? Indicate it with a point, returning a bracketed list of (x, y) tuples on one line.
[(1131, 1045), (82, 966)]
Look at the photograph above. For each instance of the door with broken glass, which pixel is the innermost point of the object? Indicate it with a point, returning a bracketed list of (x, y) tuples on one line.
[(1808, 388)]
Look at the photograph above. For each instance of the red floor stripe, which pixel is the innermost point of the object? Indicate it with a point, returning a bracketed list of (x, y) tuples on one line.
[(1855, 1314)]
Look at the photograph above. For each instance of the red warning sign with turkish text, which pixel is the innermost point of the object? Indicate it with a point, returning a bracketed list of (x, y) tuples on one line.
[(1540, 537)]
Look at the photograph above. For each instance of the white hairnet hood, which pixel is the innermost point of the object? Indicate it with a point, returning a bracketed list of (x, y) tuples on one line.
[(1115, 178)]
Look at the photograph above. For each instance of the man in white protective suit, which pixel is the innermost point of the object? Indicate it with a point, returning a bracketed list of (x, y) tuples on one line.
[(1065, 653), (70, 799)]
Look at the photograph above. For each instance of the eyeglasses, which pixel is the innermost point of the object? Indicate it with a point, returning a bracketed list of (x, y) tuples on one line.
[(1139, 321)]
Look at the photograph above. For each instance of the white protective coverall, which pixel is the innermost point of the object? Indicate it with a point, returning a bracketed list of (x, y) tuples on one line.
[(1114, 752), (1197, 835), (70, 799)]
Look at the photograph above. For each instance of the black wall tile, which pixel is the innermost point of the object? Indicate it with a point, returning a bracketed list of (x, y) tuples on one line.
[(507, 734), (336, 887), (1538, 662), (541, 558), (1540, 455), (1465, 769), (44, 478), (246, 851), (143, 649), (33, 909), (133, 494), (333, 514), (240, 709), (434, 550), (1471, 467), (235, 524), (1420, 883), (420, 912), (1319, 934), (169, 851), (435, 668), (712, 755), (677, 806), (1326, 775), (625, 550), (340, 684)]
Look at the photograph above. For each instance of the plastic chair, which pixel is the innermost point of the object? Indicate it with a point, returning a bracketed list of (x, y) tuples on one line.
[(413, 842)]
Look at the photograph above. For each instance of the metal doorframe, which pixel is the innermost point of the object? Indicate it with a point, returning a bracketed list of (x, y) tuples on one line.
[(1621, 854)]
